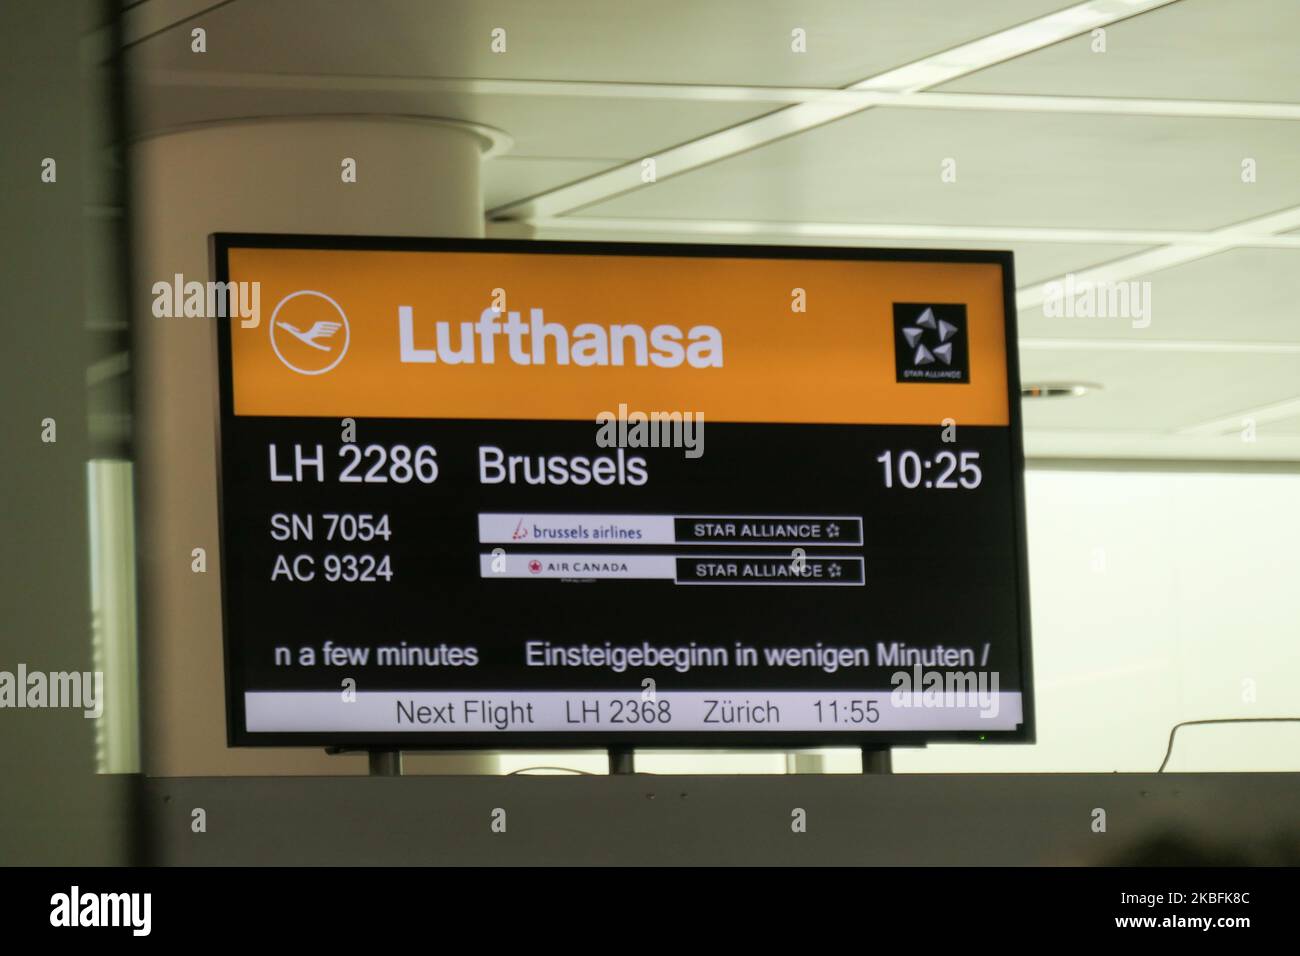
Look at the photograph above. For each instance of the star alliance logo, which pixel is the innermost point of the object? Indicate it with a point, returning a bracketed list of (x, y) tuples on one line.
[(914, 335), (930, 342)]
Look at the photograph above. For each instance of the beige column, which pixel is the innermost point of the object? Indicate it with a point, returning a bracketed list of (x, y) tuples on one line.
[(413, 178)]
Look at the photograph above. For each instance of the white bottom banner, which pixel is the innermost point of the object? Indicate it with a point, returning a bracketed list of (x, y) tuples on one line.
[(577, 711)]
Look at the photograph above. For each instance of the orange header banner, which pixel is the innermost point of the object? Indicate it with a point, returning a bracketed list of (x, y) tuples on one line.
[(553, 335)]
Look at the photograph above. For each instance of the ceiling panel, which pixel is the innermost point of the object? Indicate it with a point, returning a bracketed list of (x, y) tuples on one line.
[(1034, 262), (567, 127), (1224, 337), (509, 178), (1289, 427), (1145, 391), (1241, 295), (677, 41), (1025, 169), (1194, 49)]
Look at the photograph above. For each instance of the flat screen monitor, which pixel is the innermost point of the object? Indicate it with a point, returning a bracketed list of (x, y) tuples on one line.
[(528, 494)]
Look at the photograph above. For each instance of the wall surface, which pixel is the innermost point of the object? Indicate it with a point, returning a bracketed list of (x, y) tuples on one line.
[(53, 807), (283, 176), (1157, 597), (984, 819)]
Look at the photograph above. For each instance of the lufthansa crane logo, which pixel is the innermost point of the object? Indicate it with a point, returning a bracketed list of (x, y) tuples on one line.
[(309, 332)]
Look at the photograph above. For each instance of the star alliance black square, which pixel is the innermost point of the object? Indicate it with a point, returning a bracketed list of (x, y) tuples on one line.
[(930, 342)]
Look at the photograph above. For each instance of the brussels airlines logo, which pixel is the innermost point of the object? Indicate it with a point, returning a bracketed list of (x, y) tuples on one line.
[(309, 332), (930, 343)]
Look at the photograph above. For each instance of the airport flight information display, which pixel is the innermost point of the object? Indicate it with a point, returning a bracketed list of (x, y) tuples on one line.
[(489, 493)]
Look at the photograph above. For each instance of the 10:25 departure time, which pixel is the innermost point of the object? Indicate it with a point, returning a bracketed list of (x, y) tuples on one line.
[(947, 470)]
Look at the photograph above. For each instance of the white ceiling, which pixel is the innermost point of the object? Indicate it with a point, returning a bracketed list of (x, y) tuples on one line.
[(1127, 162)]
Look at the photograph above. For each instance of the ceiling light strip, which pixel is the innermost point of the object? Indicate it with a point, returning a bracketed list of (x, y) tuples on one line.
[(1075, 444), (1028, 103), (1154, 260), (1038, 344), (684, 92), (909, 232)]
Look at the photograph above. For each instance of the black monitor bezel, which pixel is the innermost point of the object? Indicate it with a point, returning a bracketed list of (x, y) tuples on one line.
[(220, 245)]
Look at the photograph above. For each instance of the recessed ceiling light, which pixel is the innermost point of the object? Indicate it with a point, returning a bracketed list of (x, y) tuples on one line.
[(1056, 389)]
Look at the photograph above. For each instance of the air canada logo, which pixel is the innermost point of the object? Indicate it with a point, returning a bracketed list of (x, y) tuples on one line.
[(309, 332), (930, 342)]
